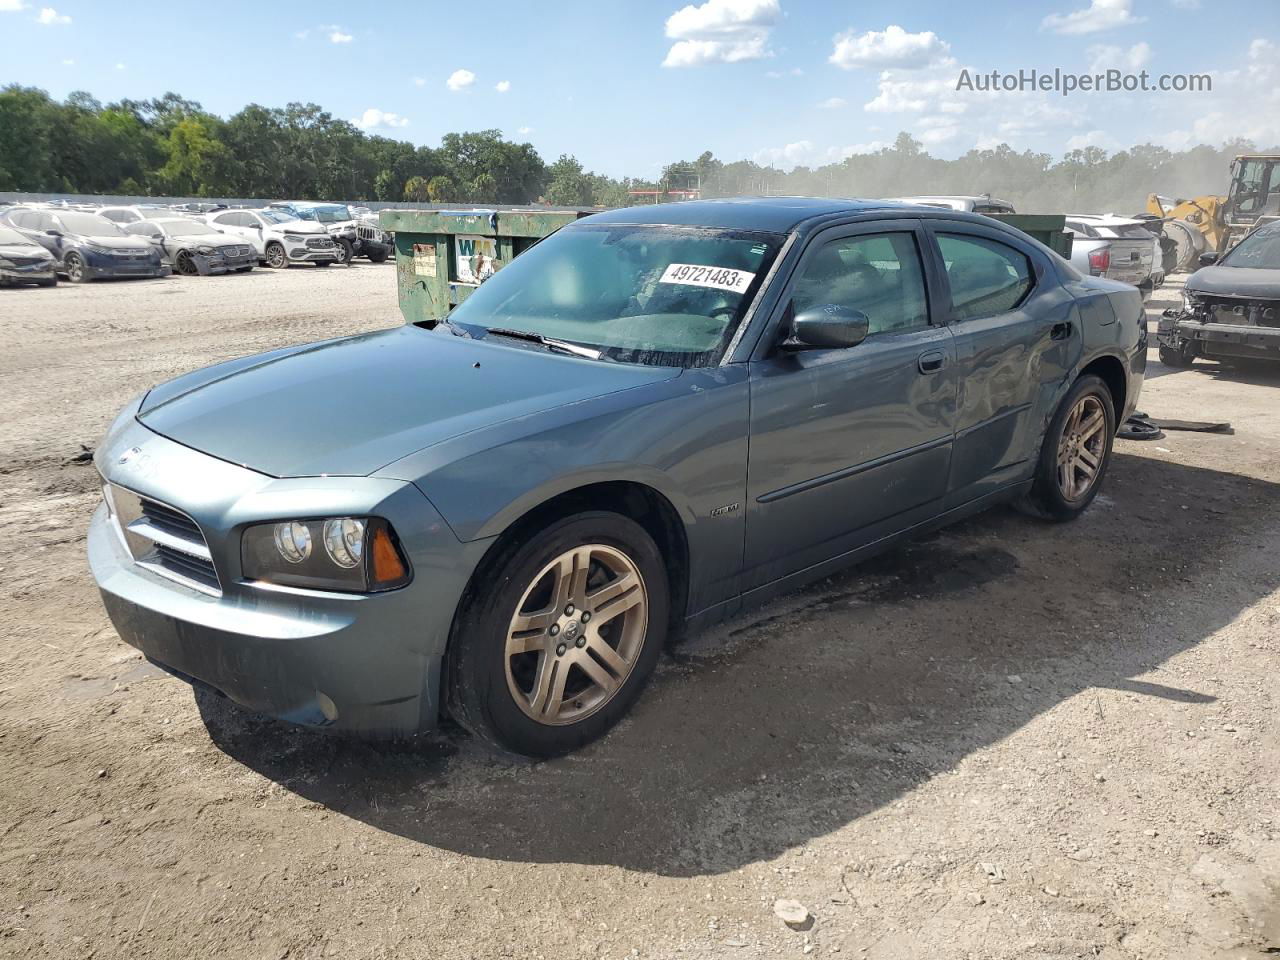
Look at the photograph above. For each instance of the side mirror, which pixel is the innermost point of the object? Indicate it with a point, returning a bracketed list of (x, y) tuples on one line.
[(1208, 259), (258, 227), (53, 233), (828, 326)]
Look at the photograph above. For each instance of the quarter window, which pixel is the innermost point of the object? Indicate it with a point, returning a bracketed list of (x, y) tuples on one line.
[(987, 277), (878, 274)]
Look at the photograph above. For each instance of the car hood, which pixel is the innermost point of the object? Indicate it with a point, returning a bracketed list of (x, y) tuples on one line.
[(348, 407), (25, 251), (115, 243), (302, 226), (1226, 281)]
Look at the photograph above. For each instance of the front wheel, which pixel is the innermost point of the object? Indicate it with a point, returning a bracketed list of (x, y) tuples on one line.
[(1178, 359), (1075, 452), (346, 252), (51, 282), (276, 258), (378, 255), (558, 635), (75, 268)]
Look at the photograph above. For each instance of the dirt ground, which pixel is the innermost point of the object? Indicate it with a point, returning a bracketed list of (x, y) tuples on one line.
[(1011, 740)]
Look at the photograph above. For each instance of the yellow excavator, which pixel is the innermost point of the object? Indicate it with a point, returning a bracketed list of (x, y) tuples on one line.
[(1213, 224)]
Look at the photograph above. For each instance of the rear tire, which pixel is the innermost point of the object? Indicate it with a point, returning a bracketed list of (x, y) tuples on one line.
[(51, 282), (1074, 453), (377, 256), (558, 635)]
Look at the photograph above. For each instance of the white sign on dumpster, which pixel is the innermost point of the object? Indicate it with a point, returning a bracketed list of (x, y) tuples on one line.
[(476, 257)]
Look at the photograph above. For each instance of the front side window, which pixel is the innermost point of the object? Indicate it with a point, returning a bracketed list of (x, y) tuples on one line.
[(878, 274), (89, 225), (987, 277), (663, 295), (194, 228), (276, 216)]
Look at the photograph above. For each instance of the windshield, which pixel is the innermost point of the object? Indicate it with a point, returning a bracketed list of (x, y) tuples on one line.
[(276, 216), (329, 214), (669, 296), (11, 237), (88, 225), (1261, 249), (189, 229)]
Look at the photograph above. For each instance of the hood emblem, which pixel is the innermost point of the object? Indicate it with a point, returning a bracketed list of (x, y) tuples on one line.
[(129, 454)]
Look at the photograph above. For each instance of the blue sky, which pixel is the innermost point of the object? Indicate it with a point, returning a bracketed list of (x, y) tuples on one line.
[(628, 86)]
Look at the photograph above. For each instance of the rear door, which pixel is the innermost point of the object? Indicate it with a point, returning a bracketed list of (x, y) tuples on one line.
[(849, 445), (1016, 337)]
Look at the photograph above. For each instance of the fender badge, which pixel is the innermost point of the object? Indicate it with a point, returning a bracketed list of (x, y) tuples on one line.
[(727, 508)]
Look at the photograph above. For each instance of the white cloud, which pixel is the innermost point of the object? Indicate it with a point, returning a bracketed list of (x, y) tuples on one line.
[(374, 118), (1092, 138), (1099, 15), (524, 131), (68, 63), (502, 86), (793, 154), (419, 81), (779, 74), (721, 31), (12, 6), (844, 153), (891, 47), (832, 103), (460, 80), (336, 35), (121, 66), (1103, 57), (50, 17), (1218, 116)]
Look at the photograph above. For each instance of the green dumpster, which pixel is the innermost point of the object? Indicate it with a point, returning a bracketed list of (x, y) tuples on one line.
[(1049, 228), (443, 255)]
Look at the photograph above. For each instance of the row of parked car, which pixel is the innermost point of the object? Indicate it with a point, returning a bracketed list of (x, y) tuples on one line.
[(40, 243)]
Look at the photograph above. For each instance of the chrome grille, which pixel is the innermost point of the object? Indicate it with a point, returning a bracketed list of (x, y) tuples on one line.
[(163, 539), (320, 243)]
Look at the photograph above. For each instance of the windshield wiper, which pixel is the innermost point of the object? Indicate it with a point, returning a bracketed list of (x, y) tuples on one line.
[(550, 342)]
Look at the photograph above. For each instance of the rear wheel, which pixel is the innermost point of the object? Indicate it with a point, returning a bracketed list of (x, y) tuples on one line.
[(559, 635), (276, 258), (75, 268), (51, 282), (1075, 452), (377, 256)]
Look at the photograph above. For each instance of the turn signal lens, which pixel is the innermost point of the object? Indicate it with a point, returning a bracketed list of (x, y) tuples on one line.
[(387, 568)]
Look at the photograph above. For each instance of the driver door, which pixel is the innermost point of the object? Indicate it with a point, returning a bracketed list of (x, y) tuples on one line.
[(853, 444)]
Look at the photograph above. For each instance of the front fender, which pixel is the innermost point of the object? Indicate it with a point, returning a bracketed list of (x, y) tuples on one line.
[(685, 438)]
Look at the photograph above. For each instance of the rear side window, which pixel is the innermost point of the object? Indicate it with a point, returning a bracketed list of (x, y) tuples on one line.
[(987, 277), (879, 274)]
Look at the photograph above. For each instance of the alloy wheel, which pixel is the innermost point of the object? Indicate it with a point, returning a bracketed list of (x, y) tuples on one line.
[(1082, 447), (576, 634), (186, 266), (275, 256), (75, 268)]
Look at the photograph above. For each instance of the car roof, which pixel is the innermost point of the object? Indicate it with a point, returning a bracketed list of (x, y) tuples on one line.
[(772, 214)]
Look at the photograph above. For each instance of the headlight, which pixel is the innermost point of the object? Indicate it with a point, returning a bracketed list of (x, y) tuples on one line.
[(360, 555), (296, 237), (205, 251), (1190, 302), (7, 264), (99, 249)]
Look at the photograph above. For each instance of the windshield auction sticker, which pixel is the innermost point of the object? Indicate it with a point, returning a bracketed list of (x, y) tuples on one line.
[(721, 278)]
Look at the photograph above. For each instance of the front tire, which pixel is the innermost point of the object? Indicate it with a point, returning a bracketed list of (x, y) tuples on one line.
[(276, 257), (1075, 452), (346, 252), (1176, 358), (558, 635), (75, 267)]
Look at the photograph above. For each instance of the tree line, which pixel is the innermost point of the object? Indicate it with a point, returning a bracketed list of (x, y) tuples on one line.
[(172, 146)]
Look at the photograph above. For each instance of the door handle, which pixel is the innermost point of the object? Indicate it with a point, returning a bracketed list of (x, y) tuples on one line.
[(1060, 331), (931, 362)]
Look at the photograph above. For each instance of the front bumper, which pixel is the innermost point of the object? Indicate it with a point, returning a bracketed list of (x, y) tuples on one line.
[(366, 664), (1181, 331), (35, 273), (300, 253), (217, 264), (99, 266)]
